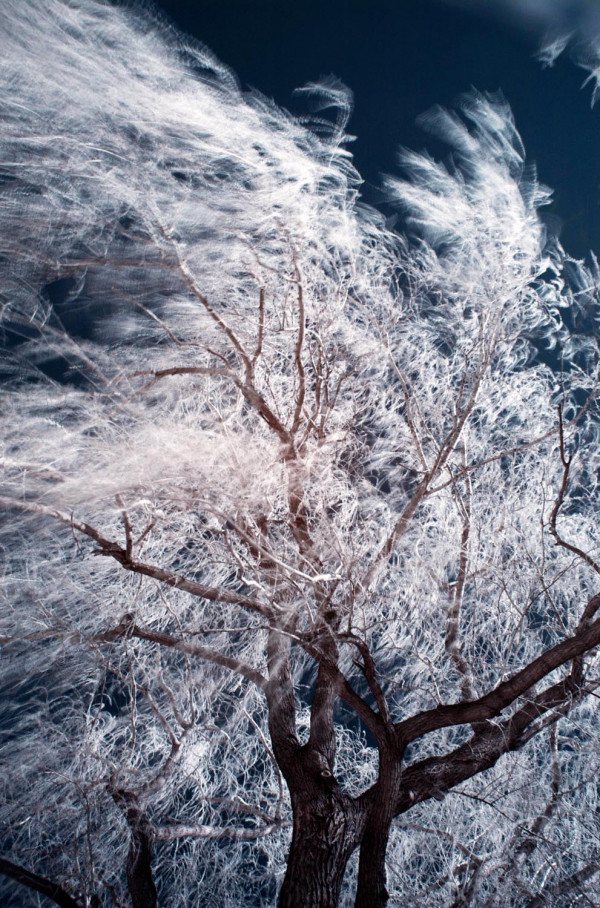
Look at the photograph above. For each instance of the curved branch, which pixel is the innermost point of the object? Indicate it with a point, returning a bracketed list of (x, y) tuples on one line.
[(369, 670), (586, 637), (39, 884), (374, 722), (112, 549), (128, 629), (434, 776)]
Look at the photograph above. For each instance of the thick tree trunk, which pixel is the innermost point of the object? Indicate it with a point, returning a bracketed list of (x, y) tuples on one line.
[(327, 829), (328, 824), (371, 891)]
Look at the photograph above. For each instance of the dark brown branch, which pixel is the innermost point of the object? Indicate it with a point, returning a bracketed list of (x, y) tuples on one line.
[(492, 704), (370, 672), (529, 843), (246, 387), (39, 884), (138, 305), (423, 489), (110, 549), (505, 452), (434, 776), (214, 315), (399, 529), (346, 692), (322, 731), (584, 622)]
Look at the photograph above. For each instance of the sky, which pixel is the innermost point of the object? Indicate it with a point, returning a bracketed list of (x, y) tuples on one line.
[(401, 57)]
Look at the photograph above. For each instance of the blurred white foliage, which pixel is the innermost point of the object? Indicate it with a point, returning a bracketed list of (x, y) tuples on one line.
[(233, 329)]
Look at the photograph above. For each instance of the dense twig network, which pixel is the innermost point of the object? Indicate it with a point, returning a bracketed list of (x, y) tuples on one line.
[(301, 541)]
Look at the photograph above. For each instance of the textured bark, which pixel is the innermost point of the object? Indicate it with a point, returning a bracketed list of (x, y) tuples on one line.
[(371, 888), (327, 828), (328, 824)]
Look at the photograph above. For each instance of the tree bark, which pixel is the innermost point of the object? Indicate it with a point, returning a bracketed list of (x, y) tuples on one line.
[(371, 891), (327, 829), (139, 869), (140, 881)]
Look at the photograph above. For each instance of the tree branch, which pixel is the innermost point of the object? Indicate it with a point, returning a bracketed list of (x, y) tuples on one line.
[(436, 775), (128, 629), (168, 833), (39, 884), (566, 462), (112, 549), (492, 704)]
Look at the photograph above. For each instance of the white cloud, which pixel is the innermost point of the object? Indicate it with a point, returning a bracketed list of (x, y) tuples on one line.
[(556, 22)]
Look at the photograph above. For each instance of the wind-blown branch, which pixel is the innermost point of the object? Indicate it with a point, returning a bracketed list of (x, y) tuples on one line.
[(127, 629), (39, 884), (111, 549), (492, 704)]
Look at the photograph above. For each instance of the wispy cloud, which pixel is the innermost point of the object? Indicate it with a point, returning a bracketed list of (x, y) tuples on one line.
[(556, 23)]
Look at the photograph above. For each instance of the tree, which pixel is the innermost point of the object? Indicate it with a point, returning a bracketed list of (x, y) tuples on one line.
[(300, 514)]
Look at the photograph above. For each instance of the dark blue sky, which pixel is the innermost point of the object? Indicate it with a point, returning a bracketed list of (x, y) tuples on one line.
[(400, 57)]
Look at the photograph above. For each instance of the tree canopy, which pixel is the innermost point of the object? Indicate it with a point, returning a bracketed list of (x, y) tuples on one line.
[(300, 513)]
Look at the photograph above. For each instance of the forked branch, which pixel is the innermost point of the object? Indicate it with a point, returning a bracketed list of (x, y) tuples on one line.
[(560, 498), (585, 638)]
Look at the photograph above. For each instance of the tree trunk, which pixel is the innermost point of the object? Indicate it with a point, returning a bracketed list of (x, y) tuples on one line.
[(327, 829), (328, 824), (140, 881), (371, 889)]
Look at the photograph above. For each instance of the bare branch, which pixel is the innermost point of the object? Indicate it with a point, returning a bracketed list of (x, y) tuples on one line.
[(127, 628), (112, 549), (181, 831), (493, 703), (39, 884)]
